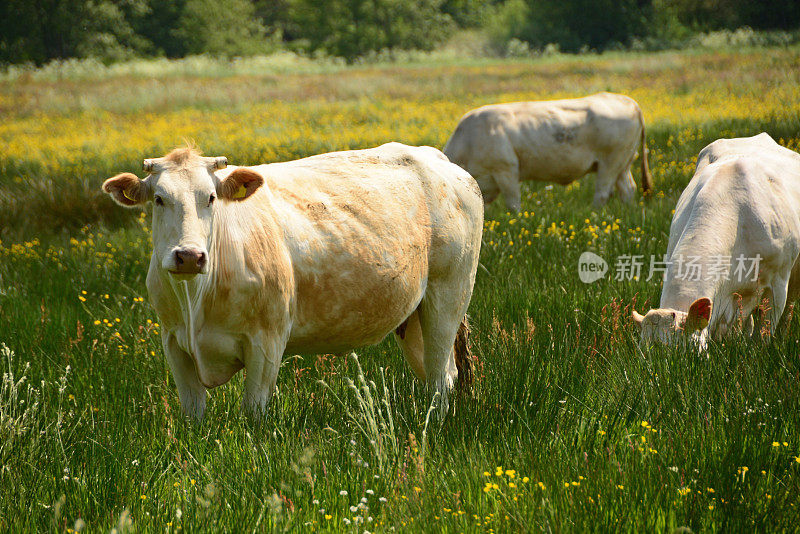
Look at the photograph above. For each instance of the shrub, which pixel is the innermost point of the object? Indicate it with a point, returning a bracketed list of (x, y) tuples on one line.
[(353, 28), (221, 28)]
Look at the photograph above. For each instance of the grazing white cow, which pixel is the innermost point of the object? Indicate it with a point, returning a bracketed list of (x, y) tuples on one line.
[(735, 233), (323, 254), (552, 141)]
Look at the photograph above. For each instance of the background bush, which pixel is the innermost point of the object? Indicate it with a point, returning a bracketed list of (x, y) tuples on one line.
[(113, 30), (228, 28), (351, 28)]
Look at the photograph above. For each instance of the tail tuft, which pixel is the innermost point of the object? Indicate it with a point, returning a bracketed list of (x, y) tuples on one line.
[(463, 356)]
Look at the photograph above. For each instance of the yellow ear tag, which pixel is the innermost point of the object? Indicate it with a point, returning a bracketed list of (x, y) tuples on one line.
[(703, 323), (241, 192), (126, 195)]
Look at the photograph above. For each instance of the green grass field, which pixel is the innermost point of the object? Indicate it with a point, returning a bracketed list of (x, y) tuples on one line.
[(571, 427)]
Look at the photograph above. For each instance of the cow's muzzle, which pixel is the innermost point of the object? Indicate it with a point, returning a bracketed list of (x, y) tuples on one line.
[(188, 261)]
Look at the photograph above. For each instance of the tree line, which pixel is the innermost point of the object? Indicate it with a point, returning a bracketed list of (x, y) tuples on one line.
[(38, 31)]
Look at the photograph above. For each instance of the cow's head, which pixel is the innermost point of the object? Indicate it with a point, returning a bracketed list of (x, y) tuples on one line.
[(672, 326), (185, 189)]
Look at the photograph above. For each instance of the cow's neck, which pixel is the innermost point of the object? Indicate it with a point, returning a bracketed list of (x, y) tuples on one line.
[(680, 289)]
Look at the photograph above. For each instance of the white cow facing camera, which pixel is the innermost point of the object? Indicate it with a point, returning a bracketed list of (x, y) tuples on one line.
[(320, 255)]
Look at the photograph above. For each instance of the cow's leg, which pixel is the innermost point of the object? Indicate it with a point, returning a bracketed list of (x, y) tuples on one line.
[(741, 314), (625, 186), (441, 312), (780, 290), (486, 183), (604, 184), (793, 293), (507, 179), (749, 325), (409, 337), (727, 318), (191, 391), (503, 167), (490, 192), (262, 360)]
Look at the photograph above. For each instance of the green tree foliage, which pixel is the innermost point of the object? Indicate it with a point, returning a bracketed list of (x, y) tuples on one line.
[(705, 15), (599, 24), (509, 21), (351, 28), (40, 30), (275, 15), (158, 24), (37, 31), (220, 28), (468, 13), (572, 25)]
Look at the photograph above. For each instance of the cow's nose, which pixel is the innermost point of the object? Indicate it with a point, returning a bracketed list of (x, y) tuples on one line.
[(189, 260)]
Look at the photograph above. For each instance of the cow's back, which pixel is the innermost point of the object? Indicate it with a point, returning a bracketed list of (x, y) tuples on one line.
[(761, 147), (751, 173)]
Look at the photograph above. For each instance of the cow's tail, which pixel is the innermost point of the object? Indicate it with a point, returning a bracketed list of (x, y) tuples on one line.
[(463, 356), (647, 178)]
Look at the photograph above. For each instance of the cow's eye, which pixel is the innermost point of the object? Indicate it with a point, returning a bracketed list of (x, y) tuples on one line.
[(159, 201), (212, 198)]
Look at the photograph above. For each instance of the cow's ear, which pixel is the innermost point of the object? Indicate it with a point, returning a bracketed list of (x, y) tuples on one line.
[(637, 319), (240, 184), (699, 315), (127, 189)]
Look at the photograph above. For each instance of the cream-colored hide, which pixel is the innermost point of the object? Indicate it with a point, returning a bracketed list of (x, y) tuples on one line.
[(743, 202), (552, 141), (323, 254)]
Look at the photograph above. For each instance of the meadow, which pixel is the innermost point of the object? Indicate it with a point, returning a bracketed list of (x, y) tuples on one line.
[(571, 426)]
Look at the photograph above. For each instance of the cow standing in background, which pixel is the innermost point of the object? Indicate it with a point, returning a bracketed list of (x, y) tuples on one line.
[(323, 254), (552, 141), (742, 207)]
